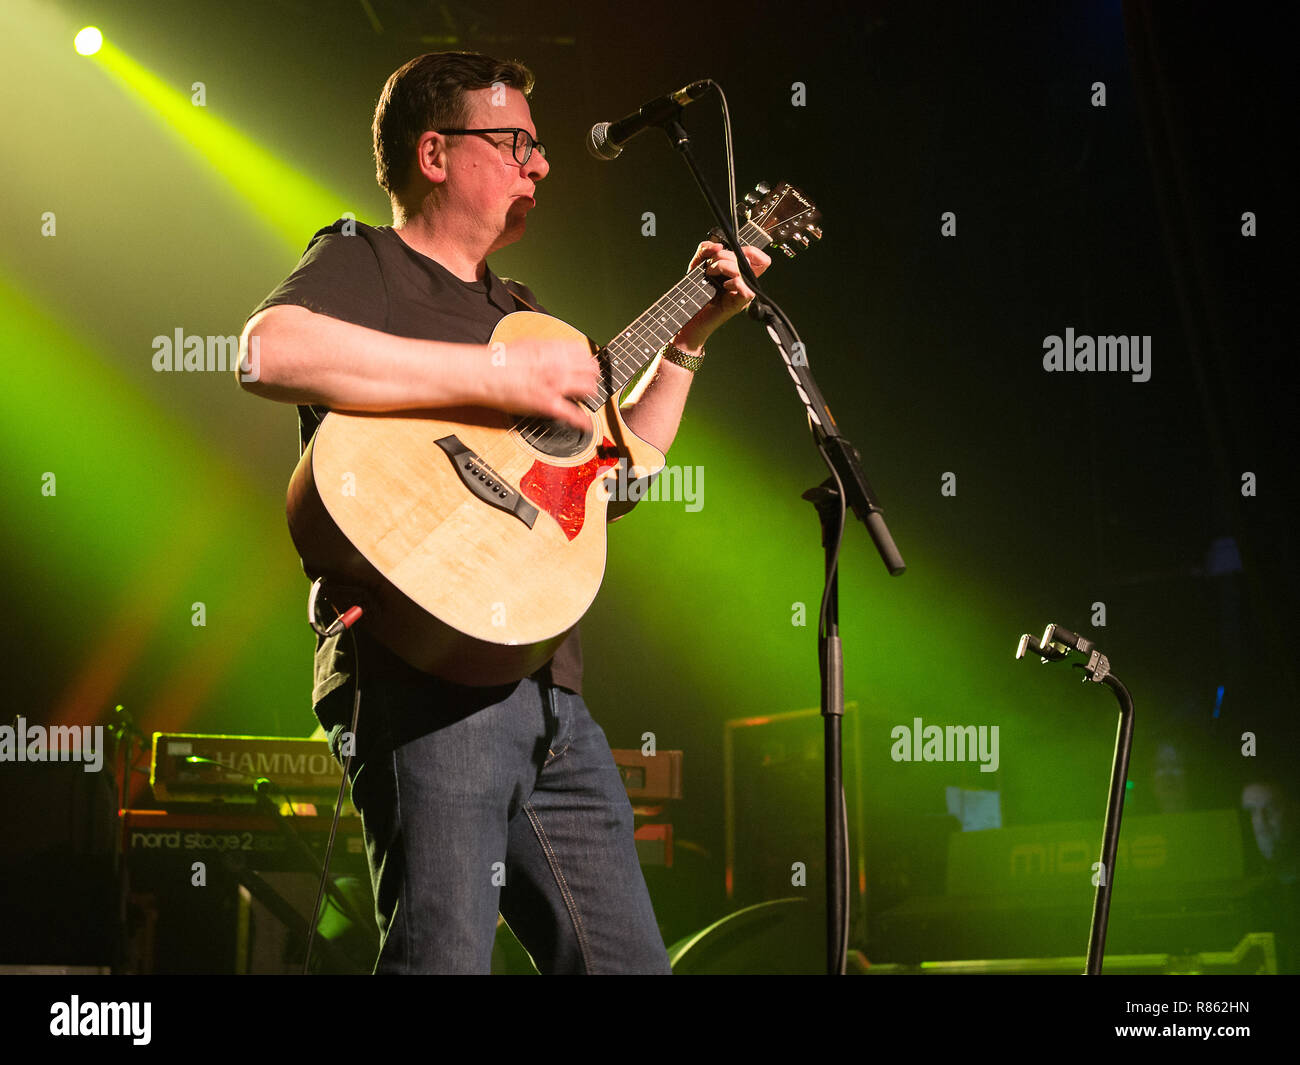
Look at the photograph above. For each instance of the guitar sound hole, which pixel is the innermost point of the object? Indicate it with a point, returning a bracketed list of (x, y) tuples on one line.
[(558, 439)]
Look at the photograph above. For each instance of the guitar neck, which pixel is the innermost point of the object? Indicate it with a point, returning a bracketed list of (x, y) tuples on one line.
[(624, 356)]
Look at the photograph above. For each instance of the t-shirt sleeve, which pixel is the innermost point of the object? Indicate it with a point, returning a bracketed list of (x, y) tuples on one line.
[(338, 275)]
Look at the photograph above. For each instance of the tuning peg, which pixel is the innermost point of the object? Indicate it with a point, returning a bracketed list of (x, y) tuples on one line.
[(801, 239), (816, 231), (788, 253), (763, 188), (751, 198)]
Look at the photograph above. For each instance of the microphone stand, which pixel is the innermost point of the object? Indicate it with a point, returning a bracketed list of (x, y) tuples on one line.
[(125, 735), (1055, 644), (846, 488)]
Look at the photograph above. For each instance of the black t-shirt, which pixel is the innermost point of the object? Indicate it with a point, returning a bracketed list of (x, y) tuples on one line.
[(371, 277)]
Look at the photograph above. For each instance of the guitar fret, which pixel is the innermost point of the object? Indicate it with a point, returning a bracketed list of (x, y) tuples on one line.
[(623, 357)]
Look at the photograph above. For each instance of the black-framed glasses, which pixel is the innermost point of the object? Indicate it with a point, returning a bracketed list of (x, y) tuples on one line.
[(522, 146)]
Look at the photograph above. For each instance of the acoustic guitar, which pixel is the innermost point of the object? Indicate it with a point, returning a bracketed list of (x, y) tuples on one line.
[(474, 540)]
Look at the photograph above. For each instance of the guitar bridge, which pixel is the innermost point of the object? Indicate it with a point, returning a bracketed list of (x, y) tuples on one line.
[(485, 483)]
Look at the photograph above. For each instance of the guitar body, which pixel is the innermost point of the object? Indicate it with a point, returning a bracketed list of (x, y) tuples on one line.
[(473, 574)]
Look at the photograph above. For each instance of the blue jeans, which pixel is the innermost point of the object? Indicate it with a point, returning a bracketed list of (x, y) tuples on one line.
[(479, 800)]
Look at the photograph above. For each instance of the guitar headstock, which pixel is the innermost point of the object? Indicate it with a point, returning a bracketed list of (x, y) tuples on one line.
[(785, 214)]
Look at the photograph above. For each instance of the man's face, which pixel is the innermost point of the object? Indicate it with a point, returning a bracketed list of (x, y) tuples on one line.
[(486, 186), (1267, 817)]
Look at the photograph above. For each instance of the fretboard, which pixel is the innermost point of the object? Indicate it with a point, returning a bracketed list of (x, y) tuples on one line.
[(640, 342)]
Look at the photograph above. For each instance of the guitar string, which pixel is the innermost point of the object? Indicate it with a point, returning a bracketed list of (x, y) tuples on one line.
[(692, 284), (751, 232), (637, 335), (634, 334), (645, 337), (619, 353), (684, 292)]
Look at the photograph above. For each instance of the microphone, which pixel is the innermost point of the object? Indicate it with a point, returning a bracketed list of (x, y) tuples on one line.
[(606, 139)]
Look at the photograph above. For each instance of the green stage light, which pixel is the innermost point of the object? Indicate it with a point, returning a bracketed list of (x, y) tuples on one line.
[(290, 203), (105, 457), (88, 41)]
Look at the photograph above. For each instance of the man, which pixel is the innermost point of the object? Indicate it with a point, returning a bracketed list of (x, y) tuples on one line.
[(1269, 796), (1271, 802), (473, 799)]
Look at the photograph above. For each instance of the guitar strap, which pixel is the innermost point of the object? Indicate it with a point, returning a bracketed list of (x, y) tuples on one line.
[(523, 303)]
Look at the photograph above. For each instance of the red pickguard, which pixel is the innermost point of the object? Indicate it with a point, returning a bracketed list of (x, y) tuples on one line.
[(561, 491)]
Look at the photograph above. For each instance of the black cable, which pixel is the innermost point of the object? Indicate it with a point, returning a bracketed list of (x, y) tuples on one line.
[(848, 882), (338, 804)]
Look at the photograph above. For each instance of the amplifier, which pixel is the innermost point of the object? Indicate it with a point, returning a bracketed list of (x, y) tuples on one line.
[(191, 767), (1154, 850), (1180, 887), (772, 790), (650, 778)]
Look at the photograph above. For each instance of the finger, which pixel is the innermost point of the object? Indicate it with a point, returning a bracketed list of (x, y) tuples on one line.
[(740, 295), (706, 250), (737, 289), (566, 410), (723, 272), (576, 386)]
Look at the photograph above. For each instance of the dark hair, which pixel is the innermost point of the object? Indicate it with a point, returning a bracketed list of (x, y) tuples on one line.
[(429, 93)]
